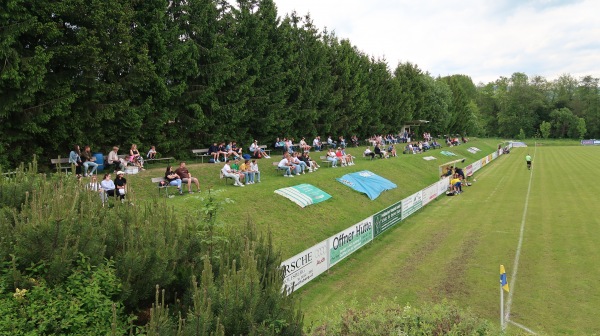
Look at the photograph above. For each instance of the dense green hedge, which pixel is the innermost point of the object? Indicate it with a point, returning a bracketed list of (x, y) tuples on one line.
[(75, 258)]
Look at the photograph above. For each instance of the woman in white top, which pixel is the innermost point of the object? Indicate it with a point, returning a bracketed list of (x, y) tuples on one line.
[(304, 146), (254, 169)]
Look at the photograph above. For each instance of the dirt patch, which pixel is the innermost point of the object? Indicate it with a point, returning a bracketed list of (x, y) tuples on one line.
[(454, 285)]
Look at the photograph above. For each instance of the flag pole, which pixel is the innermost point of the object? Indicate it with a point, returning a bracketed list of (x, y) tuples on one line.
[(501, 307)]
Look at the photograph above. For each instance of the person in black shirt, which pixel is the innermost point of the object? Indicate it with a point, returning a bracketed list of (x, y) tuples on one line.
[(120, 185)]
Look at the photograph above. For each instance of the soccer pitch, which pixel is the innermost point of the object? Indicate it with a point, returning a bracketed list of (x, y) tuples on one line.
[(542, 225)]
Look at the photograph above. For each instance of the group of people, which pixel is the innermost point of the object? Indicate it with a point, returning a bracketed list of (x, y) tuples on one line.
[(457, 180), (180, 177), (223, 151), (287, 145), (296, 164), (108, 187), (84, 161), (242, 174)]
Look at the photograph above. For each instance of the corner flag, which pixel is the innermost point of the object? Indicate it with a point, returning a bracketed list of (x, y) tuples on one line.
[(503, 281)]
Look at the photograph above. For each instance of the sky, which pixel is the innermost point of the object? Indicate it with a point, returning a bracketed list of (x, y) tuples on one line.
[(483, 39)]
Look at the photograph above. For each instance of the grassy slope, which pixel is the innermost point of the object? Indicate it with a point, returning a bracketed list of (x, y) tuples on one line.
[(295, 229), (452, 248)]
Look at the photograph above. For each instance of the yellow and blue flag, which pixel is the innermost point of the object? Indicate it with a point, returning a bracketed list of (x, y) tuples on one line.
[(503, 281)]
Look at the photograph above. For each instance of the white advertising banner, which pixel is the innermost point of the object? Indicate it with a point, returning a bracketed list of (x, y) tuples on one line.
[(346, 242), (494, 155), (430, 193), (411, 204), (443, 185), (303, 267), (476, 166)]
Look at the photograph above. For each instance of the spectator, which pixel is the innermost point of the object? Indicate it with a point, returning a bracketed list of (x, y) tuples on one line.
[(255, 170), (368, 152), (435, 144), (341, 157), (331, 143), (230, 151), (135, 157), (310, 162), (379, 152), (248, 174), (213, 150), (279, 145), (121, 185), (237, 150), (258, 152), (286, 166), (235, 166), (223, 151), (342, 142), (228, 172), (151, 153), (113, 159), (75, 158), (332, 157), (354, 140), (349, 158), (289, 145), (88, 161), (96, 187), (300, 165), (456, 184), (108, 186), (173, 178), (187, 178), (317, 143), (304, 146), (392, 150)]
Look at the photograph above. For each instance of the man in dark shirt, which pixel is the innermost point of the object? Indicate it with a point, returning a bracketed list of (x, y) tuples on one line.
[(186, 177)]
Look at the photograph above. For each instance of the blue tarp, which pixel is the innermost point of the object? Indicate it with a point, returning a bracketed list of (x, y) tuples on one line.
[(367, 182)]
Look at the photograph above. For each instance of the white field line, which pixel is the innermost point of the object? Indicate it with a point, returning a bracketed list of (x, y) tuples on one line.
[(522, 327), (515, 267)]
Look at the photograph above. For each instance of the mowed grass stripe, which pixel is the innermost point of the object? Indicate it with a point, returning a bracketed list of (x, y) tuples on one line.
[(453, 247), (558, 280)]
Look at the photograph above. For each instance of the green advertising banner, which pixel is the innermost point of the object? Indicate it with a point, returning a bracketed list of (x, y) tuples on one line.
[(346, 242), (387, 218)]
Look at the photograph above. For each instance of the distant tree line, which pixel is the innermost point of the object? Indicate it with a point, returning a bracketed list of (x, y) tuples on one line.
[(183, 74)]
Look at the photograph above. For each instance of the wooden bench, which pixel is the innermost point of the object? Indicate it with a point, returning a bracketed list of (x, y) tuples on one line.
[(264, 148), (325, 161), (157, 180), (201, 153), (59, 164), (221, 176), (168, 159)]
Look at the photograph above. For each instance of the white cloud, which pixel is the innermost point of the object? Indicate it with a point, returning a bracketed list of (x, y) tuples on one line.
[(482, 39)]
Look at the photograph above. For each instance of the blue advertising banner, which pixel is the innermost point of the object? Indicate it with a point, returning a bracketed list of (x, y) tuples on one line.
[(367, 182)]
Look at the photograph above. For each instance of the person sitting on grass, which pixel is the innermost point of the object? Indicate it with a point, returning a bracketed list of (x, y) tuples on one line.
[(93, 185), (368, 152), (121, 185), (255, 170), (187, 178), (108, 186), (173, 179)]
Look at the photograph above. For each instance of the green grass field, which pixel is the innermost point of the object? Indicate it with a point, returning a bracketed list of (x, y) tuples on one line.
[(450, 249), (453, 248)]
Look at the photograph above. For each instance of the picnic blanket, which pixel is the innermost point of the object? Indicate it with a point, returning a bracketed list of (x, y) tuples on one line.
[(447, 153), (429, 158), (304, 194), (367, 182)]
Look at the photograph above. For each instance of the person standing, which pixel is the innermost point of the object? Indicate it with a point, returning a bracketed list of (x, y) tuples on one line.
[(528, 159)]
